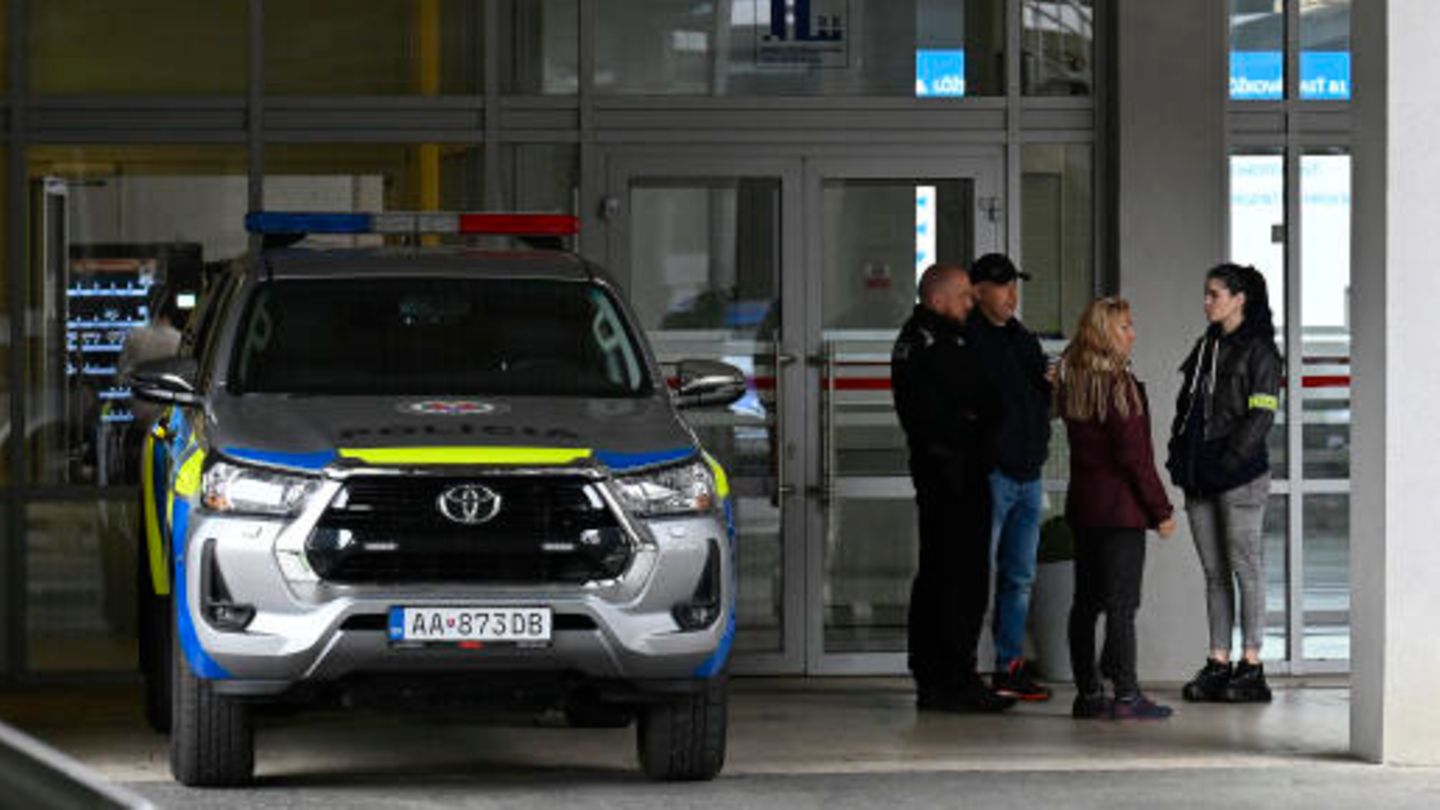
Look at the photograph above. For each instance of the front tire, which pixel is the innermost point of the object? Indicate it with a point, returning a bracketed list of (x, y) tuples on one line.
[(683, 737), (212, 739)]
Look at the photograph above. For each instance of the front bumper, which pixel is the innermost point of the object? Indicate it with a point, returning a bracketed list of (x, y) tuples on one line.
[(313, 631)]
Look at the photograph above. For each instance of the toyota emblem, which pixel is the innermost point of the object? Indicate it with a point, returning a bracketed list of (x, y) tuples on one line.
[(470, 504)]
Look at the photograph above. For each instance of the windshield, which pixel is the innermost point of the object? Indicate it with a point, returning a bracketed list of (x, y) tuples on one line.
[(438, 336)]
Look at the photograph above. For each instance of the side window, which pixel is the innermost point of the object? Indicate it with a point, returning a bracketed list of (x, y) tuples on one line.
[(199, 326), (206, 335)]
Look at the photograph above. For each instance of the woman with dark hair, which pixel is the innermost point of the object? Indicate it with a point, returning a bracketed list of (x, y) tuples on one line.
[(1218, 456), (1114, 496)]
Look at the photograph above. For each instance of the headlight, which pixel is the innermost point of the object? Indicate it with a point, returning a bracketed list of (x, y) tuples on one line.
[(232, 488), (678, 490)]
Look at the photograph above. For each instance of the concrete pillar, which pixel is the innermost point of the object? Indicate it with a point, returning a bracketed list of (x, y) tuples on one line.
[(1395, 557), (1169, 157)]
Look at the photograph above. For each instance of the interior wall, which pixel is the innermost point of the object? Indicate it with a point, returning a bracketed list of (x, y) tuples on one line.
[(1169, 157)]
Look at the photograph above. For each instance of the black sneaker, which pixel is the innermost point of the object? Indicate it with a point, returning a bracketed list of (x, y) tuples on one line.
[(1247, 684), (1017, 683), (1208, 685), (1089, 707), (1138, 707), (971, 698)]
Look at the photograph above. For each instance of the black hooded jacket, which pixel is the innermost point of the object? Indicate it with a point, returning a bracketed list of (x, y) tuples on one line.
[(1225, 410)]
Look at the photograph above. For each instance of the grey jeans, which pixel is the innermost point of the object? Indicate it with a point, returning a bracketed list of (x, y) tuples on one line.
[(1227, 532)]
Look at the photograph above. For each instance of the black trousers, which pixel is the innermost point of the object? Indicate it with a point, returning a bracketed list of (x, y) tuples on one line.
[(951, 590), (1109, 567)]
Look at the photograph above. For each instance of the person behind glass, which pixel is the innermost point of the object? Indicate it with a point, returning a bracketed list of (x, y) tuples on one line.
[(1218, 456), (1019, 373), (1115, 494), (946, 416), (156, 339)]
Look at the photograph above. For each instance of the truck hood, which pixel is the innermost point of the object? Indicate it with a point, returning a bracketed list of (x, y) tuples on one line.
[(313, 432)]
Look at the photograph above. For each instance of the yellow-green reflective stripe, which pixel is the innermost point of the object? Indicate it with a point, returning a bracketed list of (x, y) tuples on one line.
[(187, 481), (500, 456), (1266, 402), (722, 482), (155, 546)]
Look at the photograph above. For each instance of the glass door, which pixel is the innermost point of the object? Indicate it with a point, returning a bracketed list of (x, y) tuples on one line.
[(872, 226), (707, 251)]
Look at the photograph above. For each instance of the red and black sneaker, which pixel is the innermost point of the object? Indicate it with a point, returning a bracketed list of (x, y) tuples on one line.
[(1016, 683)]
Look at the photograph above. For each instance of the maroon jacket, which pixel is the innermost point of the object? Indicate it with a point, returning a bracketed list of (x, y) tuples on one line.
[(1113, 484)]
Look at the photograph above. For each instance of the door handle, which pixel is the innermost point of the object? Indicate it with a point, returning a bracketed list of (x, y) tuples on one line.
[(778, 360), (825, 490)]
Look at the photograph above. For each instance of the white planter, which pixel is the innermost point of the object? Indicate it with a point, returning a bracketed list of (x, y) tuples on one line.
[(1050, 599)]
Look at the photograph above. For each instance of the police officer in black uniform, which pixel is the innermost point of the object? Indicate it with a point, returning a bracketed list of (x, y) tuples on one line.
[(948, 415)]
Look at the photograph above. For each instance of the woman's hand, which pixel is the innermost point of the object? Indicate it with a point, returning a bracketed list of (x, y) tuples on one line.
[(1166, 527)]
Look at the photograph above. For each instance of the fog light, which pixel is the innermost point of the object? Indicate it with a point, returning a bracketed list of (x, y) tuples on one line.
[(703, 607), (227, 616)]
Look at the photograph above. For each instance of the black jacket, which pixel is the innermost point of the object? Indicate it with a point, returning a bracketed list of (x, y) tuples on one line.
[(945, 408), (1015, 365), (1225, 410)]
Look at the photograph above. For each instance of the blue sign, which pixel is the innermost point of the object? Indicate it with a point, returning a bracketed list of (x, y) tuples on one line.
[(940, 73), (1325, 75), (1260, 75), (1257, 75)]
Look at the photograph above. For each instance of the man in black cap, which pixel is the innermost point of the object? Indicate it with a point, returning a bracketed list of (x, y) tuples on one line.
[(1016, 367), (942, 402)]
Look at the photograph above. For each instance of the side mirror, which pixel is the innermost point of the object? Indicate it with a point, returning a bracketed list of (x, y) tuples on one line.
[(167, 381), (708, 383)]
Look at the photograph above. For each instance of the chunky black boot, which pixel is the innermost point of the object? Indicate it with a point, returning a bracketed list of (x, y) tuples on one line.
[(1208, 685), (1248, 684)]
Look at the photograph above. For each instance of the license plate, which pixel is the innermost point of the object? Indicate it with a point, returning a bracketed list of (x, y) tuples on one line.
[(525, 624)]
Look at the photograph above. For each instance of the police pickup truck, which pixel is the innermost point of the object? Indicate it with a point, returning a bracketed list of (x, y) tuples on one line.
[(441, 473)]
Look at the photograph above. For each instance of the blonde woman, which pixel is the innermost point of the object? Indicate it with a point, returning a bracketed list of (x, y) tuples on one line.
[(1115, 495)]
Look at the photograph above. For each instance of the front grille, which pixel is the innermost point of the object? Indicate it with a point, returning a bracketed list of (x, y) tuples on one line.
[(390, 529)]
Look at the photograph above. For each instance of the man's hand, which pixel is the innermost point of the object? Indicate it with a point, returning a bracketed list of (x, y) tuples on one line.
[(1166, 527)]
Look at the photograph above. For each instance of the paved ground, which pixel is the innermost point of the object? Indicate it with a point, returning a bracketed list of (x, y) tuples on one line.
[(833, 743)]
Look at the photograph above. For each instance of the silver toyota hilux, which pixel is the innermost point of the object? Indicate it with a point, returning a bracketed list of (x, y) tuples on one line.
[(408, 476)]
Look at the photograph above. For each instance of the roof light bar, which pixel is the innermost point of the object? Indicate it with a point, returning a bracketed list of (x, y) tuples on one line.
[(412, 222)]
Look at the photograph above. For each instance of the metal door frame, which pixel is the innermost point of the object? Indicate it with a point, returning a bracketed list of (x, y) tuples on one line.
[(986, 170), (622, 167)]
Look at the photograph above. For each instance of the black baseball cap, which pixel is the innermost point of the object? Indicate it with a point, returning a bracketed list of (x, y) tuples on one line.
[(997, 268)]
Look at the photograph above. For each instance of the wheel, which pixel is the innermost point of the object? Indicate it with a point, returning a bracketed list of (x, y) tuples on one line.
[(683, 737), (212, 739), (585, 710), (153, 627)]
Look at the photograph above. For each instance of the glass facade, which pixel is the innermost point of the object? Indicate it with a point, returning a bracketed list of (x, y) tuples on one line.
[(125, 234), (1057, 235), (1274, 192), (80, 585), (1325, 312), (103, 217), (924, 48), (1058, 42), (1257, 238), (543, 55), (379, 47), (1325, 50), (373, 177), (79, 47), (1258, 49)]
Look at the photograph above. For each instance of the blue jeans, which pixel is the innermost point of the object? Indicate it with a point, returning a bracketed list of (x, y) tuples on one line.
[(1014, 538)]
